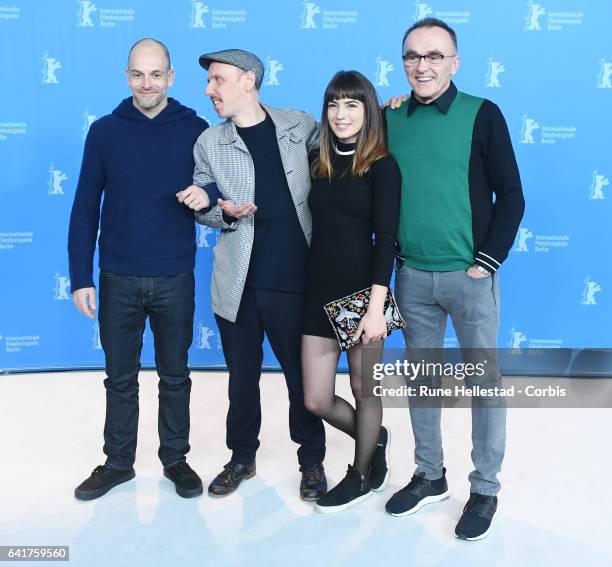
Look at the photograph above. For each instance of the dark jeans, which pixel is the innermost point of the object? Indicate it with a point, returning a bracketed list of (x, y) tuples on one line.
[(279, 315), (125, 304)]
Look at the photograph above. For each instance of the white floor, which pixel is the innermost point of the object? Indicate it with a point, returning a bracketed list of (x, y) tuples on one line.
[(555, 505)]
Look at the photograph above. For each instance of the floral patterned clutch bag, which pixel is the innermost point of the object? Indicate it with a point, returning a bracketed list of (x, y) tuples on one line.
[(345, 315)]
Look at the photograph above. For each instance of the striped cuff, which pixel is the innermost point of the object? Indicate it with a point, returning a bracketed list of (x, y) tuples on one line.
[(487, 262)]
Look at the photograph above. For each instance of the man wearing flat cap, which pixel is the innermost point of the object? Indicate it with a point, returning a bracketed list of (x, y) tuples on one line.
[(257, 160)]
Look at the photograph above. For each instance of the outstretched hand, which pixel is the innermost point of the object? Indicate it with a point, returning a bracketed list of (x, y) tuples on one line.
[(236, 211)]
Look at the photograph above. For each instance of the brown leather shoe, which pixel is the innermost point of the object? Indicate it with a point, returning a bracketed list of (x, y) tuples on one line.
[(228, 480), (314, 483)]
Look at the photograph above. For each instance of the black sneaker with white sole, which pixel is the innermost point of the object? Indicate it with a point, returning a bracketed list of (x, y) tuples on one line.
[(379, 471), (351, 490), (101, 480), (417, 493), (478, 514)]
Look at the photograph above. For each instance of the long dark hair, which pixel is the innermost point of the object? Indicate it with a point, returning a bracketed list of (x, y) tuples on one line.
[(371, 141)]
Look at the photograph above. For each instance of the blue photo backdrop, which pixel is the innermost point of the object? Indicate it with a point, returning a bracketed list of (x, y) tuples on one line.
[(548, 66)]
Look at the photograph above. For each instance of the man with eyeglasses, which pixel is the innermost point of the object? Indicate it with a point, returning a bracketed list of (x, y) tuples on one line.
[(455, 155), (140, 157)]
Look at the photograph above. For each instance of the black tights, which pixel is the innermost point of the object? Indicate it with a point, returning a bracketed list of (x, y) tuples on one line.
[(319, 365)]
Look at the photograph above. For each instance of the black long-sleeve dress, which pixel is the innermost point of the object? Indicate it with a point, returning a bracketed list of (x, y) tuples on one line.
[(354, 226)]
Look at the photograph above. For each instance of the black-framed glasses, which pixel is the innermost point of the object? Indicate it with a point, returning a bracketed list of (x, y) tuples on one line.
[(412, 59)]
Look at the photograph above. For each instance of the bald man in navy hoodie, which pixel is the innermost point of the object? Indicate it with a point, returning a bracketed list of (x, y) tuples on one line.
[(140, 157)]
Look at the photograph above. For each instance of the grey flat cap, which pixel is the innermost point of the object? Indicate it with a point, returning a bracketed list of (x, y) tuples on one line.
[(239, 58)]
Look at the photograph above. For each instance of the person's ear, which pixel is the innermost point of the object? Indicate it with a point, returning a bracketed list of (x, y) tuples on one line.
[(250, 79), (456, 63)]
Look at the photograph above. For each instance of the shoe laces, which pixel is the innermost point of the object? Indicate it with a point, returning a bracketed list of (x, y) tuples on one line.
[(230, 470), (480, 505), (311, 472), (100, 469), (417, 484), (182, 467)]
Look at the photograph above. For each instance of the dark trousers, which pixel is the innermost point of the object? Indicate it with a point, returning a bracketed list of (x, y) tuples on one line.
[(278, 315), (125, 304)]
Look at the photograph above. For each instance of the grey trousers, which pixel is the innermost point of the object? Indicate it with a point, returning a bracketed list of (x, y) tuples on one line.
[(425, 300)]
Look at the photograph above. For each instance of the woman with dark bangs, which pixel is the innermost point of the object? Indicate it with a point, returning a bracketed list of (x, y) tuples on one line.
[(354, 201)]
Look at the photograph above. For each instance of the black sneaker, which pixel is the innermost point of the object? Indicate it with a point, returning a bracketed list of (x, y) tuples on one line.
[(351, 490), (228, 480), (379, 472), (101, 480), (314, 483), (185, 479), (416, 494), (475, 522)]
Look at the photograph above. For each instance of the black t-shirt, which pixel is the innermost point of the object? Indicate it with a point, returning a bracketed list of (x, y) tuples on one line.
[(278, 257)]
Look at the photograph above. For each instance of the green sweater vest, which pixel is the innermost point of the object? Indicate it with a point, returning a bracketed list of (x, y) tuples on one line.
[(433, 151)]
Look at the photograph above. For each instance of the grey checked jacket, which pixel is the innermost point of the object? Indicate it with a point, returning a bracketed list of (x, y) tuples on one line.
[(221, 157)]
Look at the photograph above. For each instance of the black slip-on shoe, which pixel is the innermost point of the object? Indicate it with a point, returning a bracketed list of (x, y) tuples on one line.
[(380, 470), (351, 490)]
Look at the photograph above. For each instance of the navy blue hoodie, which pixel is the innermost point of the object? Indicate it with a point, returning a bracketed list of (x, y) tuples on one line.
[(139, 164)]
